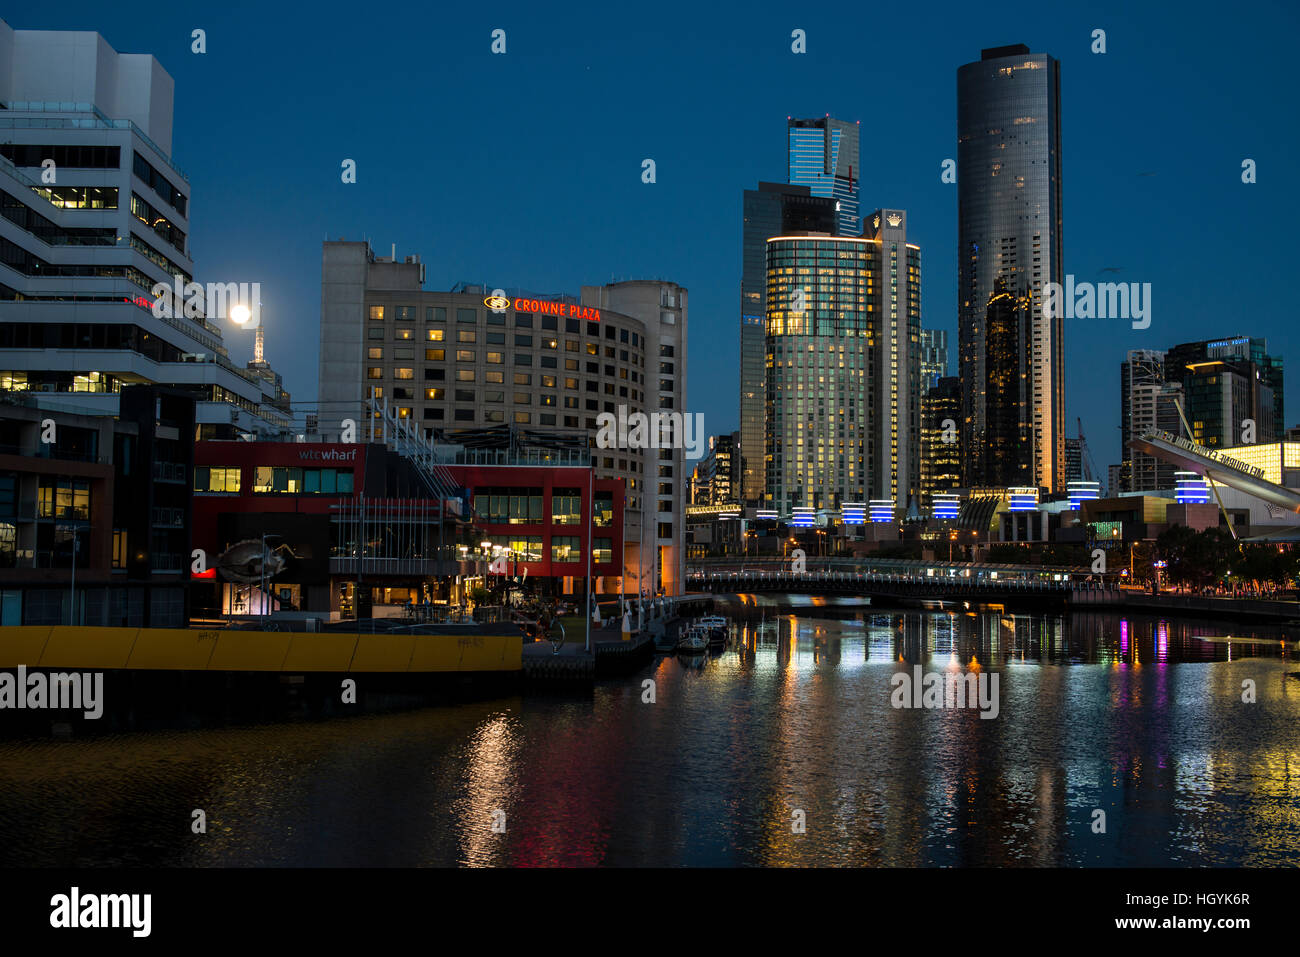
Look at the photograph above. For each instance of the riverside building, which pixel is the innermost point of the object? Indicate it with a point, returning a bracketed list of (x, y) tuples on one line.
[(454, 363), (94, 214)]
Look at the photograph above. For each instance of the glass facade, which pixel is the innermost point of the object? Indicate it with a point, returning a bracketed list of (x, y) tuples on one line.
[(1009, 248), (824, 157), (771, 210)]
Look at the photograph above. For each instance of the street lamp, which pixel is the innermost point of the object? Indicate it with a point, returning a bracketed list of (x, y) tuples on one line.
[(952, 538), (72, 590)]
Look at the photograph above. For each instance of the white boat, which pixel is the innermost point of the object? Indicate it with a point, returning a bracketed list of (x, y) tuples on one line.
[(713, 621), (692, 641)]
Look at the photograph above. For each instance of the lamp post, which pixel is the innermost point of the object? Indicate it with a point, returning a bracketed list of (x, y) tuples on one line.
[(952, 539), (72, 590)]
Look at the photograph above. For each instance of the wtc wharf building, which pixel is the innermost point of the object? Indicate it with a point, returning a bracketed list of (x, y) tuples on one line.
[(355, 531)]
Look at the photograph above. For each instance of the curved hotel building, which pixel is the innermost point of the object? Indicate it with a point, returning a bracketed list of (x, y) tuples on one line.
[(843, 362), (477, 358)]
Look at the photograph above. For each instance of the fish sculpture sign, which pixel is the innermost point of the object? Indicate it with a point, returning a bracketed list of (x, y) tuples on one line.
[(251, 562)]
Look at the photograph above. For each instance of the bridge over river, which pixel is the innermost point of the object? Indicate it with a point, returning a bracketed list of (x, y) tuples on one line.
[(903, 580)]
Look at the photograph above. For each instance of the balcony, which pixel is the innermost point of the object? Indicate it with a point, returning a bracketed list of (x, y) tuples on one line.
[(169, 472)]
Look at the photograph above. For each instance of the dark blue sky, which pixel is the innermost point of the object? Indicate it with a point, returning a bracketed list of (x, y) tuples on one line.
[(524, 169)]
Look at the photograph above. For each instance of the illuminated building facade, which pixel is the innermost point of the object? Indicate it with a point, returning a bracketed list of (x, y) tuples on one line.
[(1147, 403), (1227, 382), (824, 157), (80, 256), (774, 209), (940, 459), (843, 357), (934, 357), (1009, 246), (457, 360)]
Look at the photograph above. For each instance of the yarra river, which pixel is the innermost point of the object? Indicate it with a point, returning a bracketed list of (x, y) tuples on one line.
[(1140, 718)]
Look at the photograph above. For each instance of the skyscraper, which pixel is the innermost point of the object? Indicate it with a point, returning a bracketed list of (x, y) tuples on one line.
[(843, 409), (1228, 383), (1009, 247), (774, 209), (824, 157), (1146, 403), (934, 357), (940, 459)]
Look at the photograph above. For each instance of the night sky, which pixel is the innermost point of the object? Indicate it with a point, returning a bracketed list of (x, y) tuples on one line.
[(524, 169)]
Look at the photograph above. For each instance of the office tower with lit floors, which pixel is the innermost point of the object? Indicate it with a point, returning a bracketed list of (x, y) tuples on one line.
[(843, 331), (774, 209), (1009, 247), (82, 252)]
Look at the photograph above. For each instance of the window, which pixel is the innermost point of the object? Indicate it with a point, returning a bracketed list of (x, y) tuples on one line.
[(434, 375), (494, 396), (465, 395), (464, 355), (400, 353), (566, 506), (522, 339), (548, 382), (602, 550), (435, 394), (548, 362), (523, 378), (666, 368), (216, 478), (435, 355), (375, 332), (549, 322), (403, 334), (571, 365), (377, 313), (374, 372), (464, 415), (467, 315), (523, 359), (593, 349), (435, 314), (498, 378), (496, 358), (571, 325), (523, 418), (435, 335), (570, 345), (496, 338), (666, 352), (405, 313), (609, 332), (466, 335), (464, 375), (571, 383), (524, 320), (403, 373), (375, 353), (495, 415), (523, 398), (566, 548), (570, 401)]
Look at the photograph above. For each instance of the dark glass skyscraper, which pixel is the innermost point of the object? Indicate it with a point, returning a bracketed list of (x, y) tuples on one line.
[(774, 209), (1008, 248), (824, 157)]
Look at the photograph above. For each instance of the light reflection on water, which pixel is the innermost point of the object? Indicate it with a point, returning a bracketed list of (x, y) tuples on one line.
[(1139, 718)]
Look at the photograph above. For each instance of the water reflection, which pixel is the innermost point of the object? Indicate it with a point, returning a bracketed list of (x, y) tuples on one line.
[(1140, 718)]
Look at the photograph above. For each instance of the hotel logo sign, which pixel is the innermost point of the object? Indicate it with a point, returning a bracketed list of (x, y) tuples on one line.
[(499, 303)]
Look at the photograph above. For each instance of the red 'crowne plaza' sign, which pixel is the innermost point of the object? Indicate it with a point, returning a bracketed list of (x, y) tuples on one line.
[(543, 307)]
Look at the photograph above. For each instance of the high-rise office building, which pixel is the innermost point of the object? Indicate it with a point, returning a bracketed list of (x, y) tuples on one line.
[(1147, 403), (774, 209), (1228, 384), (934, 357), (456, 360), (843, 334), (1009, 248), (714, 479), (84, 250), (824, 157), (940, 438)]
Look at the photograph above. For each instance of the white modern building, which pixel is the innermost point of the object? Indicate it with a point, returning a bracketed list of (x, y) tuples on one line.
[(94, 215)]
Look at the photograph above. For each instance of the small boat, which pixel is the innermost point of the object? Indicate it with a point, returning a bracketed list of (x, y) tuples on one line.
[(692, 642)]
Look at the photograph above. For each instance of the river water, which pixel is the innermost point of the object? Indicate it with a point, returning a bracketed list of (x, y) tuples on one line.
[(783, 750)]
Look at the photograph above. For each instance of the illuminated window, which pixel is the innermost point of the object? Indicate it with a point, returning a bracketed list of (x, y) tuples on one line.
[(374, 372), (435, 335), (377, 313), (403, 373)]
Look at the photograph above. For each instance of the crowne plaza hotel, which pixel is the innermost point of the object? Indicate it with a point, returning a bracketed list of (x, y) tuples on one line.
[(524, 367)]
